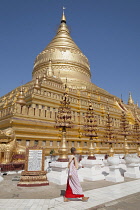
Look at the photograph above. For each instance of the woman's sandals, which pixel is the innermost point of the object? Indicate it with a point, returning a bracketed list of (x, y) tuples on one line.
[(66, 199), (85, 199)]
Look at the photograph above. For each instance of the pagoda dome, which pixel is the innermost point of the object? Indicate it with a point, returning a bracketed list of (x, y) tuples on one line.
[(68, 62)]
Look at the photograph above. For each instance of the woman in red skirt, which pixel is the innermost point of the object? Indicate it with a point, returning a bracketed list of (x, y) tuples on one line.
[(73, 189)]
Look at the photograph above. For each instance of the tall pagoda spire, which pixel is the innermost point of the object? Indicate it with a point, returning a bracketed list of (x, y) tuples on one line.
[(130, 100), (63, 19), (66, 57)]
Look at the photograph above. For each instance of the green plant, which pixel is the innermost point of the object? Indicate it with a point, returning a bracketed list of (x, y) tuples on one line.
[(52, 152)]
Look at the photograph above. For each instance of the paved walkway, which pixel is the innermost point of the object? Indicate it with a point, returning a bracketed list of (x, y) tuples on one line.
[(130, 202), (97, 197)]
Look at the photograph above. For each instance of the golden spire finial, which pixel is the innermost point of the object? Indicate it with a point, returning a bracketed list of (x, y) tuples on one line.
[(37, 85), (63, 19), (121, 98), (130, 100), (50, 71), (21, 98)]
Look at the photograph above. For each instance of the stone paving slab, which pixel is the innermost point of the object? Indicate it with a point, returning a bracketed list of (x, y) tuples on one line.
[(131, 202), (97, 197), (11, 190)]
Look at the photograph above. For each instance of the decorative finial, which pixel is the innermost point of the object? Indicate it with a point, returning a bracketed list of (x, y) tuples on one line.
[(64, 9), (50, 71), (121, 98), (37, 85), (21, 97), (63, 19), (130, 100), (90, 104), (44, 78)]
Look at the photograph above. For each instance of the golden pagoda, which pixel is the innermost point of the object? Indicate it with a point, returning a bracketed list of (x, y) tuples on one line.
[(31, 110)]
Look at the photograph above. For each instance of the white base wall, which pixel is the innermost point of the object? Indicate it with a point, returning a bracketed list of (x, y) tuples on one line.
[(92, 170), (114, 174), (132, 171), (58, 174)]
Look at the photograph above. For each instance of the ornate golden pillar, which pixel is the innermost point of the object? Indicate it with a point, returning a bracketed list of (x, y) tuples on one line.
[(126, 147), (63, 151)]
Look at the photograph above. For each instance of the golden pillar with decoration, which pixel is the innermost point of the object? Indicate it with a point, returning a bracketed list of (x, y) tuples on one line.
[(63, 121), (91, 150), (111, 150), (90, 128), (126, 147), (63, 151)]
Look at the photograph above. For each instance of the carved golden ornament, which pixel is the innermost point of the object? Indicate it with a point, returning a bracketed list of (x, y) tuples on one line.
[(5, 104), (26, 89), (111, 151), (91, 149), (44, 78), (4, 98), (37, 85), (99, 98), (63, 150), (80, 134), (102, 109), (14, 100), (126, 147), (11, 95), (21, 98)]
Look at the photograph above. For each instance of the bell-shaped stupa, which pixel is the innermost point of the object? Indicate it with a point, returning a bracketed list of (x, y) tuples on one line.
[(67, 59)]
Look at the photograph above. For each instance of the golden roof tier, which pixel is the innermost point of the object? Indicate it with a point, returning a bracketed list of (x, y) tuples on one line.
[(67, 59)]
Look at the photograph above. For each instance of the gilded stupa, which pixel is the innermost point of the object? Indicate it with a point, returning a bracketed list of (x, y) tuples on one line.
[(66, 58), (31, 110)]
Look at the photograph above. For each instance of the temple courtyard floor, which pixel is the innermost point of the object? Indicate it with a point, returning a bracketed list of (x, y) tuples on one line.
[(103, 195)]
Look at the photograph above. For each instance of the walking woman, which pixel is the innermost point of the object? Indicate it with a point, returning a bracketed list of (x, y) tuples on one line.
[(73, 189)]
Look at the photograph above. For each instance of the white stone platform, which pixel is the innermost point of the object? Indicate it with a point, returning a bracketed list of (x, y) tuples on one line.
[(114, 174), (58, 175), (97, 197), (132, 171), (92, 170)]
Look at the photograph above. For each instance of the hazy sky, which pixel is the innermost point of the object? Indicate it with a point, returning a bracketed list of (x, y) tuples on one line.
[(107, 31)]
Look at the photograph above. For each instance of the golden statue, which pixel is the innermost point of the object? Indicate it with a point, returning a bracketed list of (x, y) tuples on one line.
[(8, 146)]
